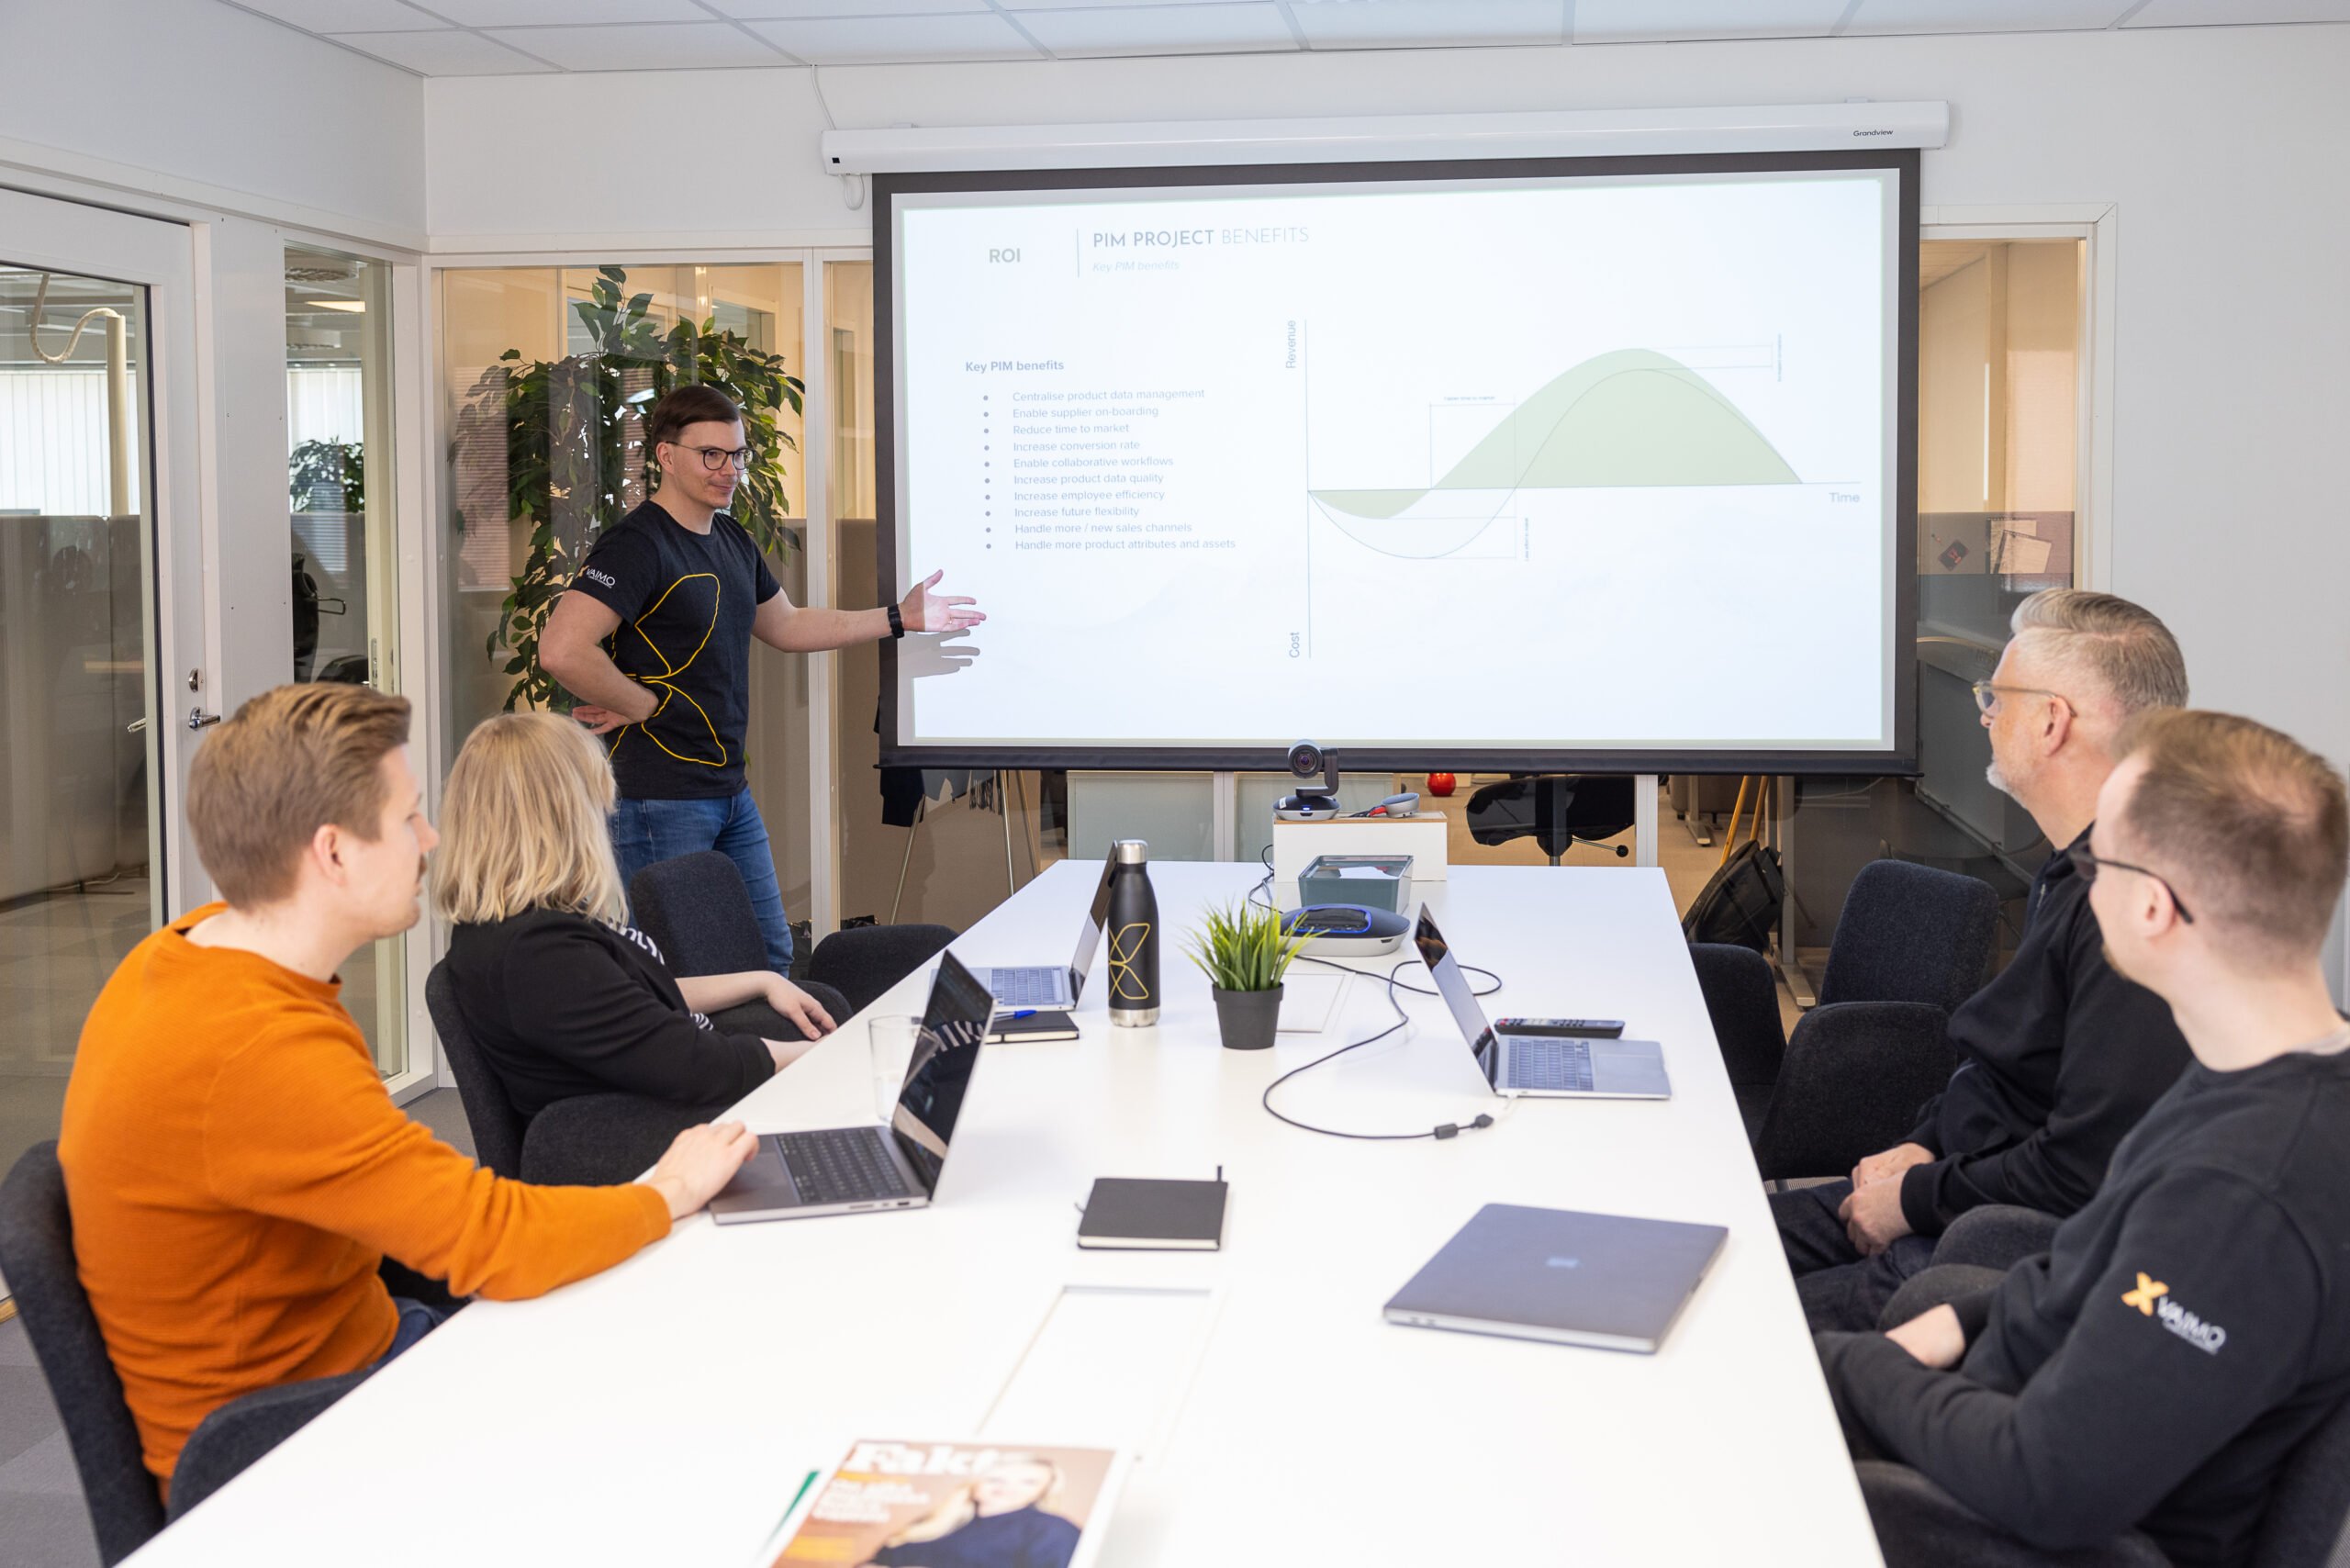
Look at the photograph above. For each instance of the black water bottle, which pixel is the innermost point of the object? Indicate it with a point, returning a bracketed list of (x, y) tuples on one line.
[(1133, 936)]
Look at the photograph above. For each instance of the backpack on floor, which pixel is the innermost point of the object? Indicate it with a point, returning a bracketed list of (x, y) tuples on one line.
[(1740, 904)]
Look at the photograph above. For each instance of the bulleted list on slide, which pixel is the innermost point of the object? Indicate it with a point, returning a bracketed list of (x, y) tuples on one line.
[(1091, 472), (1211, 459)]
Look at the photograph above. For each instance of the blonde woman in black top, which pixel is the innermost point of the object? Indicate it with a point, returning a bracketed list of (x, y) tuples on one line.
[(562, 995)]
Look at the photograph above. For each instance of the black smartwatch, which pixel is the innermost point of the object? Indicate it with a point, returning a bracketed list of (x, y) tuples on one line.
[(897, 623)]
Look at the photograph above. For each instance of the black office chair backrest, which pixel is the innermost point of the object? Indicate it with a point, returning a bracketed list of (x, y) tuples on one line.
[(36, 1256), (1554, 809), (1742, 1002), (2302, 1526), (498, 1126), (1911, 934), (866, 960), (699, 914)]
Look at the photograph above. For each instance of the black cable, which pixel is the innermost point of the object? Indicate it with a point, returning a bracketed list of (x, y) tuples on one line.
[(1441, 1131)]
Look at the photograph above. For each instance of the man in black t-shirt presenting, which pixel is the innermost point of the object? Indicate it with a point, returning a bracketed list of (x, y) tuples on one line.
[(654, 640)]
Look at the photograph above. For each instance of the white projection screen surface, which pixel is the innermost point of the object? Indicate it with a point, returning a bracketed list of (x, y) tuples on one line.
[(1595, 464)]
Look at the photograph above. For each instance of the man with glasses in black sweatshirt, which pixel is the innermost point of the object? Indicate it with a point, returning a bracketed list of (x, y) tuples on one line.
[(2061, 1055), (2143, 1383)]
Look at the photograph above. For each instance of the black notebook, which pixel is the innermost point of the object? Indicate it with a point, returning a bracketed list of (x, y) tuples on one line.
[(1176, 1215), (1011, 1028)]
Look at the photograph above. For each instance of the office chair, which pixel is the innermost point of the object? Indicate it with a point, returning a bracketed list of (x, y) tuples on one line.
[(126, 1508), (498, 1126), (1556, 809), (697, 912), (863, 961), (1911, 944), (588, 1140), (2302, 1526)]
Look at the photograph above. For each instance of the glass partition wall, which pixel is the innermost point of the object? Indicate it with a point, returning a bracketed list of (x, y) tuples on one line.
[(344, 551), (77, 854), (519, 352)]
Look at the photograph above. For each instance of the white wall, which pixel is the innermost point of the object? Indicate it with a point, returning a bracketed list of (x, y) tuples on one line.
[(210, 96)]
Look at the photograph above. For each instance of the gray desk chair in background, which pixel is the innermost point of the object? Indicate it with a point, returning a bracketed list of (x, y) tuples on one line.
[(1910, 944), (697, 909), (863, 961), (126, 1509)]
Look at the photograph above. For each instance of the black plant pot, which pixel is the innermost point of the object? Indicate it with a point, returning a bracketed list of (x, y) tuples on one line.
[(1247, 1019)]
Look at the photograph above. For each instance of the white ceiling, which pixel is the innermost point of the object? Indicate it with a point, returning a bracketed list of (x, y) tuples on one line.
[(496, 38)]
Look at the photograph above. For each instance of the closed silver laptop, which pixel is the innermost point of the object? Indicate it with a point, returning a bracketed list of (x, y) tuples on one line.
[(1604, 1280), (836, 1170), (1541, 1065), (1048, 985)]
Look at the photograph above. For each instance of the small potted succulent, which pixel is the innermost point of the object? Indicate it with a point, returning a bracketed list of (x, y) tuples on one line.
[(1244, 952)]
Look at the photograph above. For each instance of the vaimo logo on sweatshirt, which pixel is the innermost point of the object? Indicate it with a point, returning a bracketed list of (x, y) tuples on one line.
[(2153, 1298)]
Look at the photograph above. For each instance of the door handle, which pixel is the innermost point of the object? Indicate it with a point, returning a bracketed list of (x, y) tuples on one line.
[(197, 718), (135, 726)]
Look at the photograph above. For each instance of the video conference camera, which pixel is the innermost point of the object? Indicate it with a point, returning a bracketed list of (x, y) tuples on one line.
[(1305, 760)]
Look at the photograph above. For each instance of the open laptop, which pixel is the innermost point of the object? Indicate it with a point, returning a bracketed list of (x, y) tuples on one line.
[(1573, 1279), (838, 1170), (1045, 985), (1541, 1064)]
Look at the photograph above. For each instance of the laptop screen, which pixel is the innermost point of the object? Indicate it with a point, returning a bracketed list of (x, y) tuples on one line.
[(1096, 917), (945, 1053), (1459, 995)]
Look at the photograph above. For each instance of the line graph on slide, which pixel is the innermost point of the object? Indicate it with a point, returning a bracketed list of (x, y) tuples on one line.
[(1629, 419)]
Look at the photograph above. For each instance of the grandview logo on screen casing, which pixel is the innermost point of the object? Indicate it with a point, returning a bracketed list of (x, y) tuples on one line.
[(1872, 133)]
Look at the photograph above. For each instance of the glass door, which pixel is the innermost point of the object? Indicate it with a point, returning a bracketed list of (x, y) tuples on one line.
[(342, 547), (89, 772)]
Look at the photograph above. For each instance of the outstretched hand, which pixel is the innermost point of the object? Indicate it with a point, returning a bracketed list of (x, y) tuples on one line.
[(924, 611)]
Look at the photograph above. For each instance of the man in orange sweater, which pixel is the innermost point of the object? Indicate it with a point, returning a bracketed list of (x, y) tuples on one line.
[(235, 1169)]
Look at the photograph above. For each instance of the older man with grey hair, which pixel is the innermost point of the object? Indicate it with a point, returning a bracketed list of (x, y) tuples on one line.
[(2061, 1055)]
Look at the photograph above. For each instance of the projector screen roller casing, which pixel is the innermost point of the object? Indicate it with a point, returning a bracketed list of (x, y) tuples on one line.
[(1598, 465)]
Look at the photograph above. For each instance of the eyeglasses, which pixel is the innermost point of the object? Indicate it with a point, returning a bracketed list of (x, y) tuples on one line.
[(716, 457), (2090, 864), (1986, 694)]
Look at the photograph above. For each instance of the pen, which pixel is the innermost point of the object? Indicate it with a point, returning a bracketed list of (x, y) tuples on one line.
[(1022, 1013)]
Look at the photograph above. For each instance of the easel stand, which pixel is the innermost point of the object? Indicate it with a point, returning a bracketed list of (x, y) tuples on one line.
[(1007, 785)]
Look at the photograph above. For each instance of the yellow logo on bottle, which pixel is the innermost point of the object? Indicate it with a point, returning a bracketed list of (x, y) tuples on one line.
[(1126, 952)]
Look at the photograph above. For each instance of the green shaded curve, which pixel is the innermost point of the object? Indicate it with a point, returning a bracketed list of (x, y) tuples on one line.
[(1629, 418)]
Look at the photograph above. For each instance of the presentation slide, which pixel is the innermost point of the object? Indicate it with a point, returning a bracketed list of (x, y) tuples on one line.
[(1542, 466)]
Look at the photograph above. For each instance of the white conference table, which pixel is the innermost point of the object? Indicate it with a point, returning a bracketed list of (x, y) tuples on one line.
[(668, 1410)]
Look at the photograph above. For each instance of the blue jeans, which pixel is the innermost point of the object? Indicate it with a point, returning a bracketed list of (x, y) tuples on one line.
[(417, 1320), (647, 830)]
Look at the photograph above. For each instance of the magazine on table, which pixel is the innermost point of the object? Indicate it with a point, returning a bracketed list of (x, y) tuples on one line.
[(895, 1503)]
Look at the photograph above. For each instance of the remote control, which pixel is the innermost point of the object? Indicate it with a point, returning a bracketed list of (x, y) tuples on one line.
[(1586, 1028)]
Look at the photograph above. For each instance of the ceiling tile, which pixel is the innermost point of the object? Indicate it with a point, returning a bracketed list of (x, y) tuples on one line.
[(2215, 13), (1027, 5), (652, 46), (1161, 29), (797, 10), (1643, 21), (449, 53), (1400, 24), (872, 41), (1981, 16), (565, 13), (345, 15)]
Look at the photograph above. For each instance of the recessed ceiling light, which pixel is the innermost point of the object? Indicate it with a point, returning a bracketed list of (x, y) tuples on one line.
[(356, 306)]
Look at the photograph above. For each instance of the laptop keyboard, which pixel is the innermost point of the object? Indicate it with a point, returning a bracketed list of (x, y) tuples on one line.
[(1539, 1062), (1027, 987), (841, 1165)]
